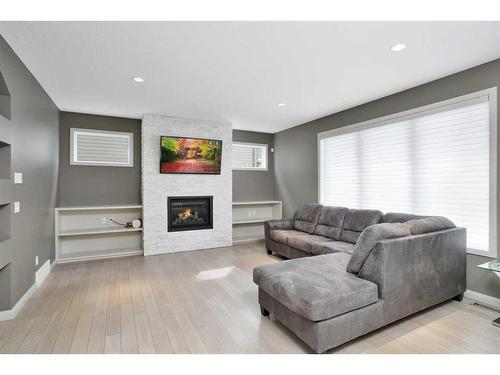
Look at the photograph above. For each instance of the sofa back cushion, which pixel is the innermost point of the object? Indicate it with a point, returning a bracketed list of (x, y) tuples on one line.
[(306, 217), (330, 222), (356, 221), (369, 238), (399, 217), (429, 224)]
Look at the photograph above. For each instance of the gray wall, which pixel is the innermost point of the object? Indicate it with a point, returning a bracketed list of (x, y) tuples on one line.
[(254, 185), (33, 133), (296, 179), (82, 185), (89, 185)]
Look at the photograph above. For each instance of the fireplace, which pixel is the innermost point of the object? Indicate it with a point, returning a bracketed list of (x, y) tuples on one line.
[(189, 213)]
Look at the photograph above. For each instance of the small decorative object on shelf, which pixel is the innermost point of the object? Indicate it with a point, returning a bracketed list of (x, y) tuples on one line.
[(495, 267), (137, 223)]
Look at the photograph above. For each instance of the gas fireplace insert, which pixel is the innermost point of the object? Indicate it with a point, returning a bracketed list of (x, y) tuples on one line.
[(190, 213)]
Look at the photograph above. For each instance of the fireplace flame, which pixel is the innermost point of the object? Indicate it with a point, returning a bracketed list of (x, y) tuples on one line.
[(186, 213)]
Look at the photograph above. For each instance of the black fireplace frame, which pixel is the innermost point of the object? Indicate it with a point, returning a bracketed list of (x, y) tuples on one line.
[(191, 227)]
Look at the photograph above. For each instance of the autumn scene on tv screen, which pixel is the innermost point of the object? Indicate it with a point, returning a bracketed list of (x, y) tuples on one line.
[(190, 155)]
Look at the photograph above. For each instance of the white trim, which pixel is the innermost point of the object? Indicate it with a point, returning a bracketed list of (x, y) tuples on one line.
[(86, 258), (12, 313), (491, 94), (254, 203), (493, 248), (488, 300), (414, 112), (40, 277), (248, 240), (73, 157), (42, 273), (251, 144), (90, 208)]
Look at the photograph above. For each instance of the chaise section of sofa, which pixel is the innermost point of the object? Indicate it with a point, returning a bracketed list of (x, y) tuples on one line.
[(318, 301), (393, 265)]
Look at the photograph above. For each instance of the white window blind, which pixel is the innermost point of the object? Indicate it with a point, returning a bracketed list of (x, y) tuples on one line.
[(249, 156), (436, 161), (104, 148)]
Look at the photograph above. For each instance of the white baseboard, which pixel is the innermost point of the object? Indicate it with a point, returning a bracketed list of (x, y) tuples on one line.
[(11, 314), (42, 273), (40, 276), (483, 298), (249, 240), (99, 257)]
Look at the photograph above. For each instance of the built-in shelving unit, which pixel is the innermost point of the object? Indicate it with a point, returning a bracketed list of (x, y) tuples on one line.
[(85, 233), (6, 198), (249, 217), (5, 101)]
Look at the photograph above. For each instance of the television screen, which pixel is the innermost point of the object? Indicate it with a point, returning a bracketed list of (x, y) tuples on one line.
[(190, 155)]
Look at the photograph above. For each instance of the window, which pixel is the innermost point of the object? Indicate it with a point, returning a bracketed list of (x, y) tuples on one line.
[(435, 160), (101, 148), (249, 156)]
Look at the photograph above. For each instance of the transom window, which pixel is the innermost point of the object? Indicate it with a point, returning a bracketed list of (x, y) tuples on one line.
[(101, 148), (249, 156)]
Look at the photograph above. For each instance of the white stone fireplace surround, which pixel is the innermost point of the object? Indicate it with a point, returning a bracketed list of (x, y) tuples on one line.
[(156, 187)]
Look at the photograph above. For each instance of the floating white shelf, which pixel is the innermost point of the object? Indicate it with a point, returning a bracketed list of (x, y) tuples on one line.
[(254, 221), (249, 218), (256, 203), (99, 208), (85, 232)]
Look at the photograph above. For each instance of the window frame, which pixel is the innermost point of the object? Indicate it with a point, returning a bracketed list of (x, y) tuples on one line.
[(73, 157), (491, 94), (252, 144)]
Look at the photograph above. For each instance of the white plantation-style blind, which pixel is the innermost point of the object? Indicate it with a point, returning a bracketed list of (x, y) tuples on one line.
[(104, 148), (249, 156), (437, 160)]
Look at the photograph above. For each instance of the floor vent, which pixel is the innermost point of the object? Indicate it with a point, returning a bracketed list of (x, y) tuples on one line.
[(486, 307)]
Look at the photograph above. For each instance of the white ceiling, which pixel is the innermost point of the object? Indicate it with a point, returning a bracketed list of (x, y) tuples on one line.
[(239, 71)]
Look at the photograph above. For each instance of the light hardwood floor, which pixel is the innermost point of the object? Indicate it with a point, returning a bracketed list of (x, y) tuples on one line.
[(204, 302)]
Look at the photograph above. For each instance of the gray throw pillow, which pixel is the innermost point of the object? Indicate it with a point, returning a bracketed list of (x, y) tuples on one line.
[(429, 224), (369, 238)]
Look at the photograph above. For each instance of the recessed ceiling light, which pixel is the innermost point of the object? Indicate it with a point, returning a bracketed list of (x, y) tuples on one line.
[(138, 79), (398, 47), (281, 104)]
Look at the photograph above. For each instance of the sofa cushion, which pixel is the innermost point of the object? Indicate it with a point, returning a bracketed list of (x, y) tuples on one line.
[(329, 247), (356, 221), (282, 235), (369, 238), (429, 224), (306, 242), (399, 217), (306, 217), (316, 288), (330, 222)]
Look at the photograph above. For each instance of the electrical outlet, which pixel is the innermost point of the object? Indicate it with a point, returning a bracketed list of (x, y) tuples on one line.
[(104, 220), (36, 260), (17, 207)]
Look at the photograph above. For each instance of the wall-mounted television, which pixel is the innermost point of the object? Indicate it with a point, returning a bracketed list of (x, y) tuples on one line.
[(190, 155)]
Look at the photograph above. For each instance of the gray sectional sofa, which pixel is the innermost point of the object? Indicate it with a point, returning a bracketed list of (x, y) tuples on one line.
[(358, 270)]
